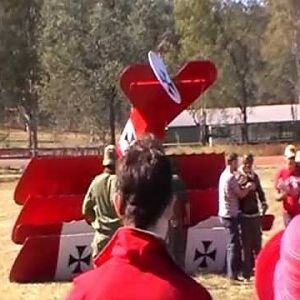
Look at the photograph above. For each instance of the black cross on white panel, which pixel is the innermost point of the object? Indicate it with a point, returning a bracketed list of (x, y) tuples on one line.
[(209, 253), (80, 260)]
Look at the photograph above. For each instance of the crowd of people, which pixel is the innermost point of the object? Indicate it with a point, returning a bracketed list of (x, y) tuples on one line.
[(240, 193), (140, 212), (242, 203)]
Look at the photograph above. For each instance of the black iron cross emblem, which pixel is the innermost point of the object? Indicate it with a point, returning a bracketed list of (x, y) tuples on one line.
[(79, 260), (206, 255)]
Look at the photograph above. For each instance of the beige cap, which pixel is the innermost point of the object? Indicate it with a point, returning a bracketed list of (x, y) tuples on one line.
[(109, 157), (290, 151)]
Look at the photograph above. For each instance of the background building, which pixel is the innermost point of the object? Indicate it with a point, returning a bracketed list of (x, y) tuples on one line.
[(270, 123)]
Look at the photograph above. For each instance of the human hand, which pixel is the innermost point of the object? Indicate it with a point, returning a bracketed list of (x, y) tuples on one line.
[(251, 186), (281, 196), (264, 207)]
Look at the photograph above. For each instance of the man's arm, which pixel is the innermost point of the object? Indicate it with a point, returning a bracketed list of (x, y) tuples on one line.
[(237, 190), (112, 187), (259, 190), (88, 204), (279, 195), (261, 194)]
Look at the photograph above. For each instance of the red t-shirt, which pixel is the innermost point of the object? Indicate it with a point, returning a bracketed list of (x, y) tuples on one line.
[(133, 266), (289, 182)]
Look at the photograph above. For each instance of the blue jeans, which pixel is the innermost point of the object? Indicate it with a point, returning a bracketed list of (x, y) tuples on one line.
[(233, 251), (251, 243)]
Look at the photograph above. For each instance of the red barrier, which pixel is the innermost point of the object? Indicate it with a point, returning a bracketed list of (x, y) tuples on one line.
[(203, 204), (57, 176), (39, 211), (52, 258), (200, 171), (23, 231), (37, 260)]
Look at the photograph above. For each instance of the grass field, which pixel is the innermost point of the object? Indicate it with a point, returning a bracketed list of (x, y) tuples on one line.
[(218, 285)]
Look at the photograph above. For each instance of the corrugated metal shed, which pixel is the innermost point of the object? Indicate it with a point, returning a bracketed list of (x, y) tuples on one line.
[(229, 116)]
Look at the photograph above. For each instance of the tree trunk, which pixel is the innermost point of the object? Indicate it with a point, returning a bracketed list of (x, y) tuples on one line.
[(31, 128), (32, 136), (244, 129)]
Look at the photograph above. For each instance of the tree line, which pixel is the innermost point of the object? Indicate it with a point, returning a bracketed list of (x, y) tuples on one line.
[(60, 60)]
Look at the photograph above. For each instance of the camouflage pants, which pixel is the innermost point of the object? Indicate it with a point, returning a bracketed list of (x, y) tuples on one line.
[(99, 242)]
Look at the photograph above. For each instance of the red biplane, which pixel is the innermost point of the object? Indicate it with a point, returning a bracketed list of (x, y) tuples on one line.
[(54, 235)]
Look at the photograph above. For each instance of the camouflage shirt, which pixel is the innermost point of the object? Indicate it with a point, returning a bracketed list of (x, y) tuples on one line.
[(99, 209)]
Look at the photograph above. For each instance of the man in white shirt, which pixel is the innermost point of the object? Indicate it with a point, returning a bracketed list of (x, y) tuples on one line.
[(229, 194)]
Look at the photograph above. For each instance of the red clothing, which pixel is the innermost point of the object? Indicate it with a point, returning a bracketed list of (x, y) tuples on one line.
[(285, 177), (135, 266)]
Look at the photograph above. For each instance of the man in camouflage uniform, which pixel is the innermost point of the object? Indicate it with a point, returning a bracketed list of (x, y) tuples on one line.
[(98, 205), (176, 239)]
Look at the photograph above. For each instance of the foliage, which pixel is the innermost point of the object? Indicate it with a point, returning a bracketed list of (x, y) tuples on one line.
[(228, 33), (61, 60)]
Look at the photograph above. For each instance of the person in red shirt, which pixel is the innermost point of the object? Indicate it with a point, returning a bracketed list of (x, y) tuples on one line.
[(287, 185), (135, 263)]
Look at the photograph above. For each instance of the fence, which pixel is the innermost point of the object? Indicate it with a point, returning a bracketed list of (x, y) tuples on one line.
[(21, 153)]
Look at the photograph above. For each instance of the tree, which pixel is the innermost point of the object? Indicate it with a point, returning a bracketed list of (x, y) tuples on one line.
[(294, 9), (84, 47), (229, 34), (279, 76), (20, 72)]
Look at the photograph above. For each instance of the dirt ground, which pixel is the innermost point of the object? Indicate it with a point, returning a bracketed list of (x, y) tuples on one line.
[(218, 285)]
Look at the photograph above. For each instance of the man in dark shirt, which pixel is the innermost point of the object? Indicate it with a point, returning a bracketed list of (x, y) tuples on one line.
[(250, 215)]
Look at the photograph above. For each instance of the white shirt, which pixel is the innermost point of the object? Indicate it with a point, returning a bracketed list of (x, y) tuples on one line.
[(229, 191)]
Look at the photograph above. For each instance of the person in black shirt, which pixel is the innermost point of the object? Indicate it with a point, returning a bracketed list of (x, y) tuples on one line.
[(250, 215)]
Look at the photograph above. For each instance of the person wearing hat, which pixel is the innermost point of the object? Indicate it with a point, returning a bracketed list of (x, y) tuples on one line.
[(229, 212), (250, 215), (135, 264), (287, 185), (98, 206)]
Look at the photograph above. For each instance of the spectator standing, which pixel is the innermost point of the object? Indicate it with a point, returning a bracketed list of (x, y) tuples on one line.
[(250, 215), (135, 263), (98, 205), (287, 185), (229, 212)]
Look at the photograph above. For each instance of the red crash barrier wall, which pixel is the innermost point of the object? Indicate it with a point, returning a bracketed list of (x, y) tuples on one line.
[(23, 231), (200, 171), (41, 210), (57, 176), (203, 204), (37, 260)]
